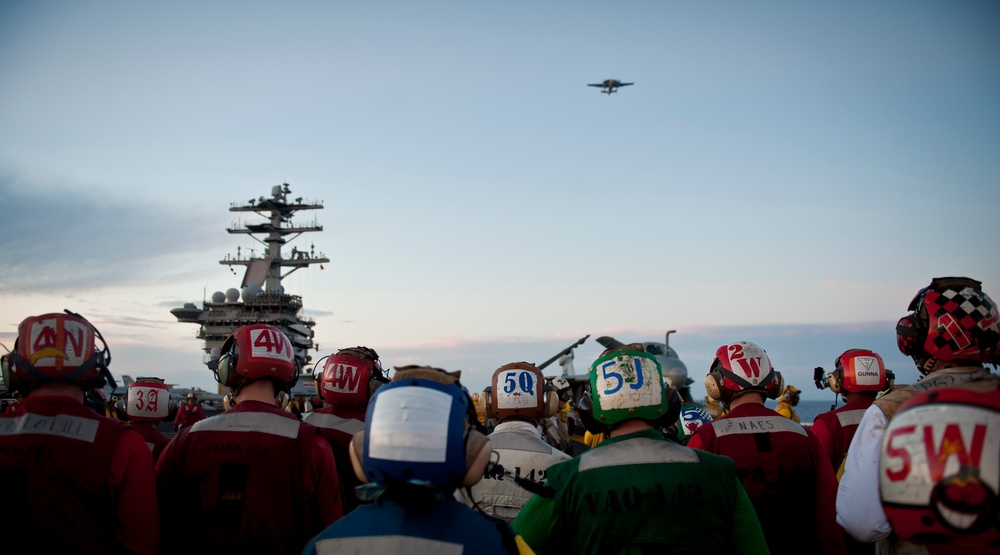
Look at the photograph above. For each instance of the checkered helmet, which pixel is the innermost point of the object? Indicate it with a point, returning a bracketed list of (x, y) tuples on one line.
[(952, 319)]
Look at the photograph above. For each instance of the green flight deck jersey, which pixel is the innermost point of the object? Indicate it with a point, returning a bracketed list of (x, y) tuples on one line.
[(641, 493)]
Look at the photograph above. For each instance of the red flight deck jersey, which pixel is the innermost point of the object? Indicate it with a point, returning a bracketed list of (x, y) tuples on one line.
[(788, 480), (834, 430), (188, 414), (253, 479), (155, 439), (338, 426), (75, 482)]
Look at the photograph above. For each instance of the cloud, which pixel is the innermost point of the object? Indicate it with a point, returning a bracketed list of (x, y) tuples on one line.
[(69, 236)]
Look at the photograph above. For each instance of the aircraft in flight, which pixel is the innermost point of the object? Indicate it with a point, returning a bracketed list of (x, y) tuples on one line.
[(609, 86)]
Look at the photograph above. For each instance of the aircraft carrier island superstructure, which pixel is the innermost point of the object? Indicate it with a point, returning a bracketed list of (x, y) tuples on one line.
[(261, 299)]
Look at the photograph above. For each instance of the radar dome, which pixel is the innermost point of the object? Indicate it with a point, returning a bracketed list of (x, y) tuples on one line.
[(251, 291), (232, 295), (218, 297)]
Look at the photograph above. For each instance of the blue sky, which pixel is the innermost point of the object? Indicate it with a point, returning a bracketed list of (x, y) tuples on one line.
[(787, 173)]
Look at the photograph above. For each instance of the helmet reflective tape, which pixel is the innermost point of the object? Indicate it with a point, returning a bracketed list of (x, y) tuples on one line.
[(627, 384), (938, 473), (148, 401), (345, 379), (744, 366), (517, 389), (56, 346), (257, 351), (860, 370), (415, 433)]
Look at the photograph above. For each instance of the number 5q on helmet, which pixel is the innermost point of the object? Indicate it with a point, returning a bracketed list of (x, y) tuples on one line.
[(951, 319), (56, 347), (257, 351), (740, 367), (627, 383), (518, 390)]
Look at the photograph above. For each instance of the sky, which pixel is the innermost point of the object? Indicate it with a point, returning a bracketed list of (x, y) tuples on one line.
[(786, 173)]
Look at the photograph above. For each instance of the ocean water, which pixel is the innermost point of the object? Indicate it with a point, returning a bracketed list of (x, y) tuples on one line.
[(809, 410)]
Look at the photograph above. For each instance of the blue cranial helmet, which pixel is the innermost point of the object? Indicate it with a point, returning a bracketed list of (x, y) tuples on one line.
[(418, 432)]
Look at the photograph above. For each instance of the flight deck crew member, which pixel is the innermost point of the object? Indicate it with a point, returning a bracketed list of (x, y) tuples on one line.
[(74, 481), (147, 404), (859, 375), (780, 465), (348, 380), (789, 400), (950, 332), (188, 413), (253, 479), (421, 441), (518, 400), (638, 492)]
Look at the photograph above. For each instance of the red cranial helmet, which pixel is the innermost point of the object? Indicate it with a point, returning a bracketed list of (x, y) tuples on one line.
[(256, 351), (858, 370), (350, 377), (952, 319), (56, 347), (939, 471), (739, 367), (148, 400)]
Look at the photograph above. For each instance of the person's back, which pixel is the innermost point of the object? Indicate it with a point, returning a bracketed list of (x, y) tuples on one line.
[(75, 481), (637, 492), (348, 380), (419, 444), (951, 331), (253, 478), (517, 398), (859, 375), (792, 487), (777, 463), (146, 405)]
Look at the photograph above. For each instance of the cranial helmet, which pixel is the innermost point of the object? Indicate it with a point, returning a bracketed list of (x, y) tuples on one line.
[(741, 367), (518, 390), (692, 417), (626, 383), (56, 347), (951, 319), (350, 377), (421, 430), (148, 400), (939, 471), (257, 351), (858, 370)]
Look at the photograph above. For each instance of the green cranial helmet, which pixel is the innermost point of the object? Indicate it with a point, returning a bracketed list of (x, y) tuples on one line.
[(627, 383)]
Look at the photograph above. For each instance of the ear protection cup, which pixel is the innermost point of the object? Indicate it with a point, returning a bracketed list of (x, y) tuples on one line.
[(836, 380), (355, 450), (550, 400), (585, 407), (485, 404), (911, 333), (225, 369), (477, 456), (776, 386), (713, 384)]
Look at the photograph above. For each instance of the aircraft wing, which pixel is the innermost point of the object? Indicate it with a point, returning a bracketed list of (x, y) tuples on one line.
[(597, 84), (625, 84)]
